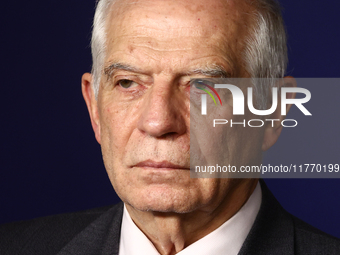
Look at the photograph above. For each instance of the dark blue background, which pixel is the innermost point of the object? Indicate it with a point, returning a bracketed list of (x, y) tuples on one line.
[(50, 161)]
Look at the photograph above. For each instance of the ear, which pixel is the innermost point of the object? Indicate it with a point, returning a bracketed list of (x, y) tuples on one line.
[(91, 103), (274, 128)]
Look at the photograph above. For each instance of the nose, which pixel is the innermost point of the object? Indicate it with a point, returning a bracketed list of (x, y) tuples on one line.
[(164, 112)]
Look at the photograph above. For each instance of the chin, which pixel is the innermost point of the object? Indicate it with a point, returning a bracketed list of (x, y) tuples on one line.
[(167, 200)]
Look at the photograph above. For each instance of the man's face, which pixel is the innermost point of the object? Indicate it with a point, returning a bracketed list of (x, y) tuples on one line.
[(153, 49)]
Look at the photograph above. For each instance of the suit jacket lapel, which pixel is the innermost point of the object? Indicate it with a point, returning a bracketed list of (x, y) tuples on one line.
[(273, 229), (100, 237)]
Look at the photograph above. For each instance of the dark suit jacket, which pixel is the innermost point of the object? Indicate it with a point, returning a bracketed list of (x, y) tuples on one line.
[(98, 231)]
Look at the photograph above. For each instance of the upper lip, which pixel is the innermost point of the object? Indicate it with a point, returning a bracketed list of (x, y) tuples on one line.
[(161, 164)]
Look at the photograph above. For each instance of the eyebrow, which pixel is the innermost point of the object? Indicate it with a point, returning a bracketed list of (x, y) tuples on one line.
[(215, 70), (113, 67)]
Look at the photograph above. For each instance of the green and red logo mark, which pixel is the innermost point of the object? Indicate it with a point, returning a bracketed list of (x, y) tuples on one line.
[(201, 86)]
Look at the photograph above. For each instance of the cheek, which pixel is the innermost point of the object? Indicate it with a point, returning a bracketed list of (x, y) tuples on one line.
[(209, 144), (114, 135), (110, 127), (118, 120), (225, 145), (251, 149)]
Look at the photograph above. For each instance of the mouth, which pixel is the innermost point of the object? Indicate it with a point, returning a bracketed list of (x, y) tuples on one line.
[(160, 165)]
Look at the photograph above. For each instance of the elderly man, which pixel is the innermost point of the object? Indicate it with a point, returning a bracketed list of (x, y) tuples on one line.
[(138, 96)]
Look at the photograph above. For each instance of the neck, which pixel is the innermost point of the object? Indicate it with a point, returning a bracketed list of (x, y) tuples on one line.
[(172, 232)]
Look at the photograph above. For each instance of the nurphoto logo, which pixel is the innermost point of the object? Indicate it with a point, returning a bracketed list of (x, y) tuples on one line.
[(238, 103)]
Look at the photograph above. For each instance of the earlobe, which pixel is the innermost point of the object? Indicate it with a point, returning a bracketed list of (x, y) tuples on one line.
[(274, 128), (91, 103)]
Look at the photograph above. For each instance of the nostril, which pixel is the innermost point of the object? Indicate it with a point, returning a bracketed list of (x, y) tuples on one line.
[(170, 135)]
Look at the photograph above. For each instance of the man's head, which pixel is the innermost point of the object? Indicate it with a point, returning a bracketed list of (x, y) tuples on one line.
[(145, 53), (265, 54)]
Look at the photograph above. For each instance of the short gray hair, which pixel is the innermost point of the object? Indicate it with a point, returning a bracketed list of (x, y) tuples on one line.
[(265, 54), (98, 41)]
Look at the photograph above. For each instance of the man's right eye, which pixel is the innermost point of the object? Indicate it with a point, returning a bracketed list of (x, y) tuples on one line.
[(126, 84)]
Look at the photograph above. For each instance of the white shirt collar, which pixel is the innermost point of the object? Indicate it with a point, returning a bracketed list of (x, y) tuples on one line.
[(227, 239)]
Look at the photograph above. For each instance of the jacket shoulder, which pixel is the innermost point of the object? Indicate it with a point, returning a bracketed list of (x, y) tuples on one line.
[(310, 240), (47, 235)]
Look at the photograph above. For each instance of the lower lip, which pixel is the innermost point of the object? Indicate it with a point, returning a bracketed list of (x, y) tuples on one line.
[(160, 168)]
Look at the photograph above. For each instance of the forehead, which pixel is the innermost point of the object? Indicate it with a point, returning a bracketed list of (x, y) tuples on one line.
[(178, 25), (189, 10)]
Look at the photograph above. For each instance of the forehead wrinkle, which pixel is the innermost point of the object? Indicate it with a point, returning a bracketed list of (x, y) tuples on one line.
[(211, 65), (160, 50), (142, 56), (155, 52), (179, 29)]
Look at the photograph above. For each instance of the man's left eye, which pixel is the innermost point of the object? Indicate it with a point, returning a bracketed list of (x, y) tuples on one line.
[(200, 84), (126, 83)]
